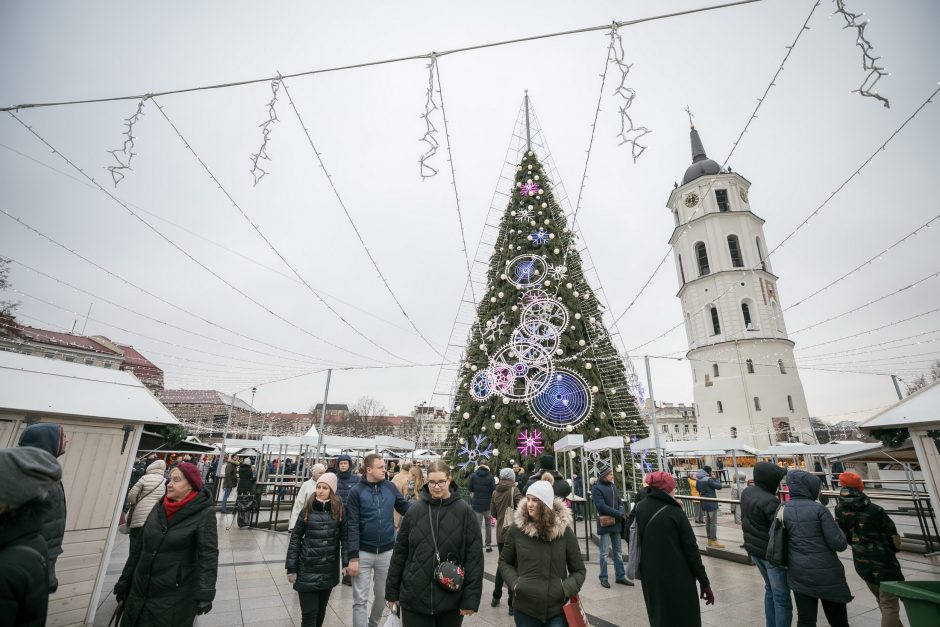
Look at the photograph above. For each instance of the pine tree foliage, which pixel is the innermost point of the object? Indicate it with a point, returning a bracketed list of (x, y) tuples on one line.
[(577, 380)]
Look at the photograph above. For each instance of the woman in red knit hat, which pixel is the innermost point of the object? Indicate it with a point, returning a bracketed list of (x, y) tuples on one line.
[(169, 577)]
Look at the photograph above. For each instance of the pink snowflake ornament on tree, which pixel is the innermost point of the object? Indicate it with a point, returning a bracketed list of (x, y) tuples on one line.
[(528, 189), (530, 443)]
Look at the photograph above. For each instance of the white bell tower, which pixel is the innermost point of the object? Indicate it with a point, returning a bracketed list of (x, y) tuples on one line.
[(746, 384)]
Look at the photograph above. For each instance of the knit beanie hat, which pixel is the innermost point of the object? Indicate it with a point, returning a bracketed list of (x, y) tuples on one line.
[(543, 491), (329, 479), (603, 470), (661, 480), (507, 473), (317, 470), (28, 473), (191, 473), (547, 462), (851, 480)]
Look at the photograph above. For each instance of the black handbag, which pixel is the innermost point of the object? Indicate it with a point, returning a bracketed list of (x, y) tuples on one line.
[(777, 544), (448, 574)]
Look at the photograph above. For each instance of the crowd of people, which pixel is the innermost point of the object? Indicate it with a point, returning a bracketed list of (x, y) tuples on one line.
[(410, 543)]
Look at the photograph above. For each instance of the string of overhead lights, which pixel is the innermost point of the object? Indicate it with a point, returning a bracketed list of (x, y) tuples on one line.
[(629, 132), (125, 154), (426, 170), (734, 147), (858, 350), (873, 330), (755, 363), (352, 223), (172, 243), (257, 172), (269, 243), (869, 60)]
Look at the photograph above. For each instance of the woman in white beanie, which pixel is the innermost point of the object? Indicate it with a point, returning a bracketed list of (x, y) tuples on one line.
[(304, 493), (317, 550), (540, 542)]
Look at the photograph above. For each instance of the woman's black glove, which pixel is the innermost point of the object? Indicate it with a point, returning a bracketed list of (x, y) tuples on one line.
[(203, 607)]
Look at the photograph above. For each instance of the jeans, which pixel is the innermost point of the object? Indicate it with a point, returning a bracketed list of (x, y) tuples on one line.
[(498, 581), (450, 618), (889, 605), (611, 540), (807, 608), (698, 512), (373, 569), (711, 524), (778, 611), (313, 607), (483, 518), (226, 492), (524, 620)]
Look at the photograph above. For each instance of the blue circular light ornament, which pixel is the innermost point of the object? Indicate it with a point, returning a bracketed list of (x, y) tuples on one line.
[(482, 385), (526, 271), (565, 401)]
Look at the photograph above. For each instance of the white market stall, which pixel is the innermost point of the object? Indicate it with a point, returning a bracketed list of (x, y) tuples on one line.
[(103, 413)]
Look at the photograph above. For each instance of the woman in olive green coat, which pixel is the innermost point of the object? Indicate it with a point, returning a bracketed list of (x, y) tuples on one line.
[(541, 561)]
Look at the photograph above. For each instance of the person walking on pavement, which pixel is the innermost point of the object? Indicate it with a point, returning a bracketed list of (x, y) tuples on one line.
[(707, 486), (560, 486), (874, 540), (50, 438), (169, 578), (318, 549), (610, 521), (814, 571), (345, 479), (307, 489), (506, 497), (671, 563), (229, 481), (759, 505), (29, 478), (541, 561), (369, 508), (439, 526), (481, 486), (143, 497)]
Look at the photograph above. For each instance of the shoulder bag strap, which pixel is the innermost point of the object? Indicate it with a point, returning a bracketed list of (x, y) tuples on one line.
[(639, 532), (437, 554)]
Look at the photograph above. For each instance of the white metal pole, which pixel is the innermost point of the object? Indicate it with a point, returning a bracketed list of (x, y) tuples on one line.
[(652, 400), (326, 396)]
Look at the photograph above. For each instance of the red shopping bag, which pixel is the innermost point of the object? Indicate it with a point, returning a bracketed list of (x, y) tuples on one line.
[(574, 613)]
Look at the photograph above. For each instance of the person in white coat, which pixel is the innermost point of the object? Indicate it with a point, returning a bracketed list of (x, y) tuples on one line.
[(142, 498), (307, 489)]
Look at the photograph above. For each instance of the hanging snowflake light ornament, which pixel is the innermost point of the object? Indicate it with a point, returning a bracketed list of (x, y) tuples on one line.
[(530, 443), (524, 215), (472, 455), (539, 237), (559, 272), (529, 189)]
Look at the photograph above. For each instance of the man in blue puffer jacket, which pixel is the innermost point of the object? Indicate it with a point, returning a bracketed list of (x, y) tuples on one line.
[(706, 486), (371, 527)]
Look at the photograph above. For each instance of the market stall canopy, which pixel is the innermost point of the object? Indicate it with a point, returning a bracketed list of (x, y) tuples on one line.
[(53, 387), (876, 452), (615, 442), (679, 448), (826, 450), (426, 454), (569, 443), (151, 442), (920, 409)]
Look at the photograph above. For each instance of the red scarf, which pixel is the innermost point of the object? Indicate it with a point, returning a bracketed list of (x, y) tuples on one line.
[(171, 507)]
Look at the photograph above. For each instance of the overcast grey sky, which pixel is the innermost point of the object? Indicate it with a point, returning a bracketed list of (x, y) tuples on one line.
[(810, 135)]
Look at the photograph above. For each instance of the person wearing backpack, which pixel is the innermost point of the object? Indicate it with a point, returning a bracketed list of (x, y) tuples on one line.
[(669, 560), (874, 539), (609, 507), (759, 505), (506, 497)]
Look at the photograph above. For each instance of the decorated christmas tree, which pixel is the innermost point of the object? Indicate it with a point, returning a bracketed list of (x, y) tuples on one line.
[(539, 363)]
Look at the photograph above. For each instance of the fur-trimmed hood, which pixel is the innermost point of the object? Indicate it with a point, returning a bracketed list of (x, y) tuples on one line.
[(526, 526)]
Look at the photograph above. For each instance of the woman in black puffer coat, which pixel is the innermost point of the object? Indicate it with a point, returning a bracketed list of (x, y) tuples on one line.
[(814, 570), (170, 575), (316, 551), (410, 584)]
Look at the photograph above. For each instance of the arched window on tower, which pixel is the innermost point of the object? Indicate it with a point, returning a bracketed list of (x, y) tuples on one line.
[(715, 370), (790, 402), (760, 254), (721, 409), (702, 256), (681, 270), (750, 366), (783, 369), (756, 403), (716, 324), (746, 313), (734, 248), (675, 214), (734, 432)]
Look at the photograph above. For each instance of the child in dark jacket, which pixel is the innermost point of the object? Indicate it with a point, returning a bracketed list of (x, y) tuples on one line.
[(317, 549), (874, 540)]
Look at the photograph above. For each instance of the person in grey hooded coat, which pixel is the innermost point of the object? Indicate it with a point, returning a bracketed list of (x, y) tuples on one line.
[(51, 438), (814, 571)]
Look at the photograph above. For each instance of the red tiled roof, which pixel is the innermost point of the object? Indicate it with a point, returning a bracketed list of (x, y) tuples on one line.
[(54, 338)]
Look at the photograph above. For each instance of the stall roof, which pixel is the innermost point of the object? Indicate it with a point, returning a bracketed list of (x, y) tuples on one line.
[(920, 409), (826, 450), (695, 447), (877, 452), (569, 443), (155, 443), (49, 386), (605, 444)]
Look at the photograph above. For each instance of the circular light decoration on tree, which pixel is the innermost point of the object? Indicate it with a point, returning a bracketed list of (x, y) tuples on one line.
[(533, 296), (483, 385), (548, 312), (530, 443), (565, 401), (518, 379), (525, 270), (534, 349)]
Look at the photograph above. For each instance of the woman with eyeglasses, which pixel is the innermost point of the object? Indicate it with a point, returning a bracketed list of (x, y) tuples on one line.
[(436, 574), (169, 577)]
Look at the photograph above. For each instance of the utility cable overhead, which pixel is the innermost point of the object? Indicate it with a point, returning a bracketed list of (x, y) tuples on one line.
[(267, 241), (413, 57), (179, 248), (352, 223)]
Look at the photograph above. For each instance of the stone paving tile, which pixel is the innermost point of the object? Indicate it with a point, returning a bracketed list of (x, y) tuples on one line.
[(256, 615)]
